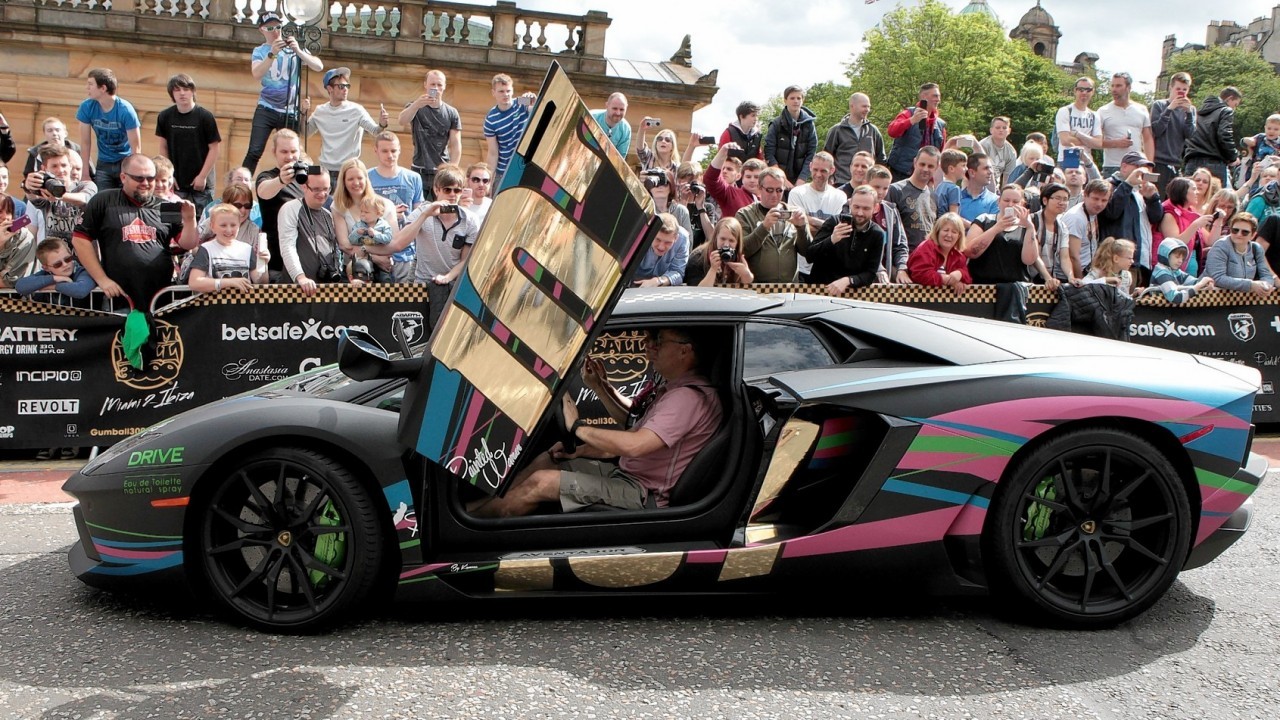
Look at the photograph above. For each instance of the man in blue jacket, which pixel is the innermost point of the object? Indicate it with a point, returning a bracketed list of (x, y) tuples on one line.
[(1134, 207)]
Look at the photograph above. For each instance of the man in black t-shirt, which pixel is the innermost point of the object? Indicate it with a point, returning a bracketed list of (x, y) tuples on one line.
[(131, 238), (275, 187), (189, 137)]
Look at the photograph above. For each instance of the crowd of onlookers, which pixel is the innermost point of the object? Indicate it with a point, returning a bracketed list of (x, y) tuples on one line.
[(1123, 197)]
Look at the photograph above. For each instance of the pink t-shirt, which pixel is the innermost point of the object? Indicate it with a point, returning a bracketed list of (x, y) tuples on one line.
[(685, 415)]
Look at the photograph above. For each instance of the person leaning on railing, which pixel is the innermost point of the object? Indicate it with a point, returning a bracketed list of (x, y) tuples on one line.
[(1238, 262)]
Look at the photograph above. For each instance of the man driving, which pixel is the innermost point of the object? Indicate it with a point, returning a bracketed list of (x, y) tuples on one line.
[(679, 417)]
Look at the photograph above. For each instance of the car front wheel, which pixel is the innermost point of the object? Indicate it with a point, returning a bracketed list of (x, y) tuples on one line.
[(1091, 529), (289, 541)]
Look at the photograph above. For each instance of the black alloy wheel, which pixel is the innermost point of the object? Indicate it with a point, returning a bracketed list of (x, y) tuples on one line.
[(290, 541), (1091, 529)]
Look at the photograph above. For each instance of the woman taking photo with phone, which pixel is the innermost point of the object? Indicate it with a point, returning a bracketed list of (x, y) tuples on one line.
[(17, 244), (1182, 220)]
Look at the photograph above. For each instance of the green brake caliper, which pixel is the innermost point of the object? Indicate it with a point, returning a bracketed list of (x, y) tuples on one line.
[(1038, 515), (331, 548)]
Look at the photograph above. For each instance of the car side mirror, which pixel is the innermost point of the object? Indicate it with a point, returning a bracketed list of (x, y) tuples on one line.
[(362, 357)]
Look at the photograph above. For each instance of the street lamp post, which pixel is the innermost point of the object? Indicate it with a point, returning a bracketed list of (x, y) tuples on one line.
[(306, 28)]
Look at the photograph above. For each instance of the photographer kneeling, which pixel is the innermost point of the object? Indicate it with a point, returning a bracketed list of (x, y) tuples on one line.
[(308, 241)]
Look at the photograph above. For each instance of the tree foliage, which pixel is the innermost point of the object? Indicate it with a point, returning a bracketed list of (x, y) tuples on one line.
[(1214, 69), (982, 72)]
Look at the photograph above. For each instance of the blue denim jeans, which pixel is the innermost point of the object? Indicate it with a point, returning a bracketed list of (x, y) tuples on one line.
[(264, 121), (106, 175)]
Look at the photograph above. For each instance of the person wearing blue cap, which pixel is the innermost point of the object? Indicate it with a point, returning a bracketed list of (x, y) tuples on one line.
[(277, 64), (341, 123)]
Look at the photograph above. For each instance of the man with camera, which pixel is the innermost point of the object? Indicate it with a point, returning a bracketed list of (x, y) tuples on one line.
[(52, 193), (443, 233), (277, 64), (308, 241), (846, 249), (437, 130), (775, 234), (277, 186), (1135, 206), (124, 235)]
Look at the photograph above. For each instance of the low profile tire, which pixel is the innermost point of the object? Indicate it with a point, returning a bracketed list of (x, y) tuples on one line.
[(290, 541), (1088, 530)]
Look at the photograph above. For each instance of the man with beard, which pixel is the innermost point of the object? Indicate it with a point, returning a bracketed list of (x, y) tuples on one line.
[(60, 207), (131, 237), (846, 250)]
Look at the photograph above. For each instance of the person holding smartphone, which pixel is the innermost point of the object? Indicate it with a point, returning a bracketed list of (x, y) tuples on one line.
[(1173, 120), (437, 130), (1133, 209), (17, 245), (914, 128)]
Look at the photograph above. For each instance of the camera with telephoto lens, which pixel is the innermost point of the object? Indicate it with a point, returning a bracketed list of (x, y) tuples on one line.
[(727, 254), (654, 178), (52, 185)]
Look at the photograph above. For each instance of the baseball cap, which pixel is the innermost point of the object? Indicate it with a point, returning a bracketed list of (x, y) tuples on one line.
[(335, 73), (1133, 157), (269, 17)]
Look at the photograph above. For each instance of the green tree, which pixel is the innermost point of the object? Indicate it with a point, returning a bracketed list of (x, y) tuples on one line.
[(982, 72), (1214, 69)]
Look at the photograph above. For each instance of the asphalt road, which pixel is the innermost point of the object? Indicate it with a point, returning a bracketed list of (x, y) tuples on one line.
[(1208, 650)]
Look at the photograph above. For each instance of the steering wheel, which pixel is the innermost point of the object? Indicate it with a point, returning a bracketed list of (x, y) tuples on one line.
[(567, 438)]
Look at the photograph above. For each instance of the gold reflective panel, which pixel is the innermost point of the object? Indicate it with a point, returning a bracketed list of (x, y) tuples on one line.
[(624, 571), (793, 445), (467, 348), (762, 533), (517, 575), (573, 170), (584, 267), (749, 562)]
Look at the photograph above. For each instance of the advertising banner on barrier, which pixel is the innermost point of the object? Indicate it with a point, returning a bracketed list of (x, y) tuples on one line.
[(64, 380)]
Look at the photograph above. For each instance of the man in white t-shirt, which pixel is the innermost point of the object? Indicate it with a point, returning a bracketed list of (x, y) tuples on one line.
[(1081, 222), (1076, 125), (1126, 125), (819, 199), (342, 123)]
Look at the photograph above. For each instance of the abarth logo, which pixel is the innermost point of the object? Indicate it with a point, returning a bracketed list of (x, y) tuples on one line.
[(1242, 326)]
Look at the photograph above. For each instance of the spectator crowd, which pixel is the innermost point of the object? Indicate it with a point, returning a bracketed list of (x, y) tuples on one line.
[(1172, 199)]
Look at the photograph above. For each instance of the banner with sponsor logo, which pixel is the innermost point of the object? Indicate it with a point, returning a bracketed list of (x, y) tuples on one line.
[(64, 380)]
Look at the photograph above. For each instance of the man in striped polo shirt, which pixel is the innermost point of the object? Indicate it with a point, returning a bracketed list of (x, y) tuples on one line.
[(504, 123)]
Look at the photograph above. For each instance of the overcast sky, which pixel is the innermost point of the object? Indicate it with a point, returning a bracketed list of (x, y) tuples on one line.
[(814, 39)]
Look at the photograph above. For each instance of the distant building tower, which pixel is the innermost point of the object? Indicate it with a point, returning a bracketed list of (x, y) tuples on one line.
[(981, 7), (1040, 32)]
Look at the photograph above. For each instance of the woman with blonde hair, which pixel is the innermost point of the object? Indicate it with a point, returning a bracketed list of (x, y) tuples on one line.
[(1207, 186), (719, 260), (663, 155), (940, 261), (353, 188)]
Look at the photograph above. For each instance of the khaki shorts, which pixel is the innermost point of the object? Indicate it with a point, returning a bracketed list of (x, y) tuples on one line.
[(586, 482)]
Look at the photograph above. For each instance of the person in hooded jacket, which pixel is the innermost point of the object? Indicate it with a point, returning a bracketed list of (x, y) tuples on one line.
[(1177, 285), (745, 132), (1266, 203), (1213, 145), (793, 138)]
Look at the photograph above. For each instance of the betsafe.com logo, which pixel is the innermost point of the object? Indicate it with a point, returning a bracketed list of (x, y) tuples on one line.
[(307, 330)]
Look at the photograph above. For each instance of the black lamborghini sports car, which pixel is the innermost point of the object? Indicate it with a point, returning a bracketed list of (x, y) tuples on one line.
[(1072, 477)]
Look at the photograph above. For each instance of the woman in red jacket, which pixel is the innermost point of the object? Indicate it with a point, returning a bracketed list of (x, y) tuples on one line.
[(939, 261)]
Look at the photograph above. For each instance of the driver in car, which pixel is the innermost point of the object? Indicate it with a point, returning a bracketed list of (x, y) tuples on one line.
[(682, 413)]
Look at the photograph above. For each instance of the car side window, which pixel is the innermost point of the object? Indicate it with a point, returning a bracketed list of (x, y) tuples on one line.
[(773, 348)]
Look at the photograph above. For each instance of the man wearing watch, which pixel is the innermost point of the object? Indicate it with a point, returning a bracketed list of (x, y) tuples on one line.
[(276, 63), (684, 413)]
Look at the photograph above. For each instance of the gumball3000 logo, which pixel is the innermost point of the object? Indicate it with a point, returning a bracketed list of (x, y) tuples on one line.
[(164, 363)]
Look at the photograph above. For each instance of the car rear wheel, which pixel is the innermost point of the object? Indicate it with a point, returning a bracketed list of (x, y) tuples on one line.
[(290, 541), (1090, 530)]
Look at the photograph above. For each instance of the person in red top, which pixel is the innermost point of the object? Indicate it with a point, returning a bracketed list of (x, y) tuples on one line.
[(914, 128), (940, 261), (728, 196)]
